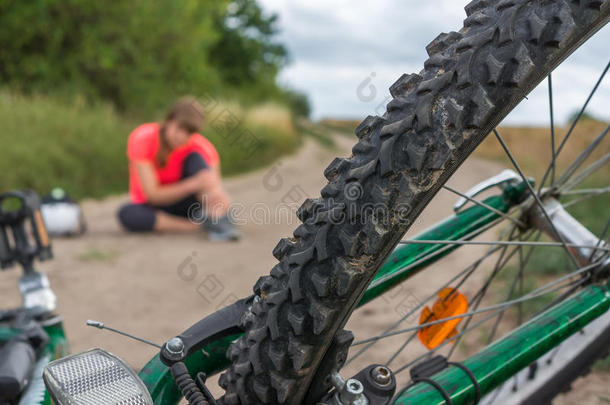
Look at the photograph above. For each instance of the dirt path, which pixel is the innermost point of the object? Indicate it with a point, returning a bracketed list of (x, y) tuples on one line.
[(155, 286)]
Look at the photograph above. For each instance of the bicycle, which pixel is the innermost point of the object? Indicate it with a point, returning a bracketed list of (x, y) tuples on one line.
[(30, 336), (287, 344)]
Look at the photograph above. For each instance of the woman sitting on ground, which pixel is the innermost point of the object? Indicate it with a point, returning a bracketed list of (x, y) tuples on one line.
[(174, 177)]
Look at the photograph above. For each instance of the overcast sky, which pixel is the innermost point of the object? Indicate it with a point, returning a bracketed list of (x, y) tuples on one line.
[(341, 48)]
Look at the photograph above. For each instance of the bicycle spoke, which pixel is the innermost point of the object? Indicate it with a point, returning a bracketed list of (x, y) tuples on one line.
[(522, 263), (582, 157), (478, 297), (465, 273), (567, 136), (509, 295), (534, 195), (459, 284), (552, 122), (537, 293), (546, 289), (482, 204), (510, 232), (445, 343), (401, 348), (600, 240), (594, 191), (585, 198), (585, 173), (468, 269), (424, 256)]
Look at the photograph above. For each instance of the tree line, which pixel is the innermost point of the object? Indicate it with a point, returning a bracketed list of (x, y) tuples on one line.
[(139, 54)]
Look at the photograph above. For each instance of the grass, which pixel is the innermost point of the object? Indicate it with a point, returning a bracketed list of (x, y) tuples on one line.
[(603, 365), (47, 143), (531, 146), (319, 133), (50, 142), (247, 139), (344, 127), (98, 255)]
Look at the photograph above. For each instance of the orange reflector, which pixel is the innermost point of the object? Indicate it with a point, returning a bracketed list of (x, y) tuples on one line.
[(450, 302)]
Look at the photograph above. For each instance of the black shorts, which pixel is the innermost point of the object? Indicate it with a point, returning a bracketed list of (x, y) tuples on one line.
[(141, 217)]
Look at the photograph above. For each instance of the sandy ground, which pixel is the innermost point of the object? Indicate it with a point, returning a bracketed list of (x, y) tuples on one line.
[(155, 286)]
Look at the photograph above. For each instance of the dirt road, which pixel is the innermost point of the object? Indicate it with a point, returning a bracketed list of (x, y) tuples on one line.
[(155, 286)]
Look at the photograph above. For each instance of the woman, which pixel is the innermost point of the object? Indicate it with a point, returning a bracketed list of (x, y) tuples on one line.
[(174, 177)]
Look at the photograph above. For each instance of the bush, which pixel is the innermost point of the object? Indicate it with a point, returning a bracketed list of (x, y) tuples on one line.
[(139, 55), (250, 138), (46, 143), (298, 103)]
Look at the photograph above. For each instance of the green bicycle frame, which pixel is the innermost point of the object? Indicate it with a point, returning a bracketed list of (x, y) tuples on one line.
[(491, 366)]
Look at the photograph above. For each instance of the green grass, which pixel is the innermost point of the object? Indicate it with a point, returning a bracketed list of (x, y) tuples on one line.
[(98, 255), (603, 365), (255, 137), (319, 133), (343, 127), (50, 142)]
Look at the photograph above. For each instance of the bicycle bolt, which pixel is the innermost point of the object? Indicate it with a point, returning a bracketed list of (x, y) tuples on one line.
[(175, 346), (352, 392), (381, 375)]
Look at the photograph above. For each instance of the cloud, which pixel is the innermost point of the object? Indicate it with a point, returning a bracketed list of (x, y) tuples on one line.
[(340, 49)]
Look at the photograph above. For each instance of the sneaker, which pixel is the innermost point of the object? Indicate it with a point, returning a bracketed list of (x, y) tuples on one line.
[(222, 229)]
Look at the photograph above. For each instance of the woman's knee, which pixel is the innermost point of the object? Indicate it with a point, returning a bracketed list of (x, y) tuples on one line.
[(137, 217), (193, 164)]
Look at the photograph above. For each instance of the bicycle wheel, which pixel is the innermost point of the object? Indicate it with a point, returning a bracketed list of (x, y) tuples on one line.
[(471, 81)]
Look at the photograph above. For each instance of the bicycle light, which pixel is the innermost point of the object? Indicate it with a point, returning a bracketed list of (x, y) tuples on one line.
[(94, 377)]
